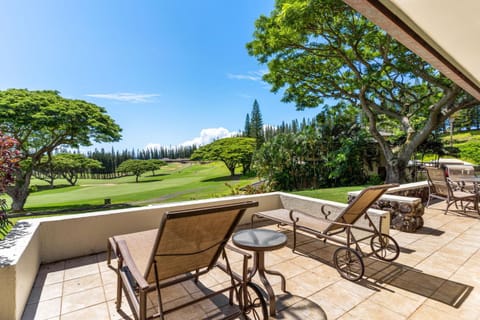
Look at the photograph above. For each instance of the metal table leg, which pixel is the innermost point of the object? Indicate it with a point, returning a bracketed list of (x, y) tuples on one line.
[(259, 265)]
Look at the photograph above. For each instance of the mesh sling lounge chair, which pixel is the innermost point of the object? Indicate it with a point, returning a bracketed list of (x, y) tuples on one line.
[(348, 258), (459, 174), (440, 188), (187, 244)]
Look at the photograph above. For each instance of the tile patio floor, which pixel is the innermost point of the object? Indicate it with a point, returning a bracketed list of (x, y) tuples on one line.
[(437, 276)]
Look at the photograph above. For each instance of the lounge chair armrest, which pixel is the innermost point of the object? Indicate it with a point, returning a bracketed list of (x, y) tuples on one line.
[(128, 262), (296, 215), (237, 250)]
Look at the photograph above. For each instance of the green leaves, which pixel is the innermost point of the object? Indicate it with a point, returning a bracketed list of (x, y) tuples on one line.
[(232, 151), (329, 152), (320, 51), (41, 121), (139, 167)]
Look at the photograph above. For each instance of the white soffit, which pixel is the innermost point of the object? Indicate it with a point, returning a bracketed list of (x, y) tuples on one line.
[(450, 27)]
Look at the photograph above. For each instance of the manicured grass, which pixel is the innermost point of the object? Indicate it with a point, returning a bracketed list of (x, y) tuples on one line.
[(339, 194), (175, 182)]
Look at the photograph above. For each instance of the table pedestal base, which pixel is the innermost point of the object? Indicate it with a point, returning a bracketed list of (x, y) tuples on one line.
[(259, 266)]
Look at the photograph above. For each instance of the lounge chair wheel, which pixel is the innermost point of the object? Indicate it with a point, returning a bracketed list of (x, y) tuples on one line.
[(384, 247), (349, 263), (256, 306)]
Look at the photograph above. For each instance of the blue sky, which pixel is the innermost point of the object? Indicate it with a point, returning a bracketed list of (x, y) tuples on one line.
[(166, 71)]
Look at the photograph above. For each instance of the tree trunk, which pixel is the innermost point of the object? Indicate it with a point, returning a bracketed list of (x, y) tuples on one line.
[(231, 166), (396, 170), (19, 192)]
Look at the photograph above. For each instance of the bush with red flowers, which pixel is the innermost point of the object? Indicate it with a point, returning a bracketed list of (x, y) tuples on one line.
[(9, 164)]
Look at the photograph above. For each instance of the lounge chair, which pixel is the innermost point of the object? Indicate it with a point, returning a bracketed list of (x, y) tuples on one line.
[(441, 188), (348, 261), (460, 174), (187, 245)]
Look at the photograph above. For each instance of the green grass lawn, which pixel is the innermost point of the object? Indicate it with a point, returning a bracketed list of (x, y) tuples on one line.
[(339, 194), (174, 182)]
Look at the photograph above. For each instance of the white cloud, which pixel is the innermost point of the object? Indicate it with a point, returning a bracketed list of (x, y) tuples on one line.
[(208, 135), (153, 146), (252, 75), (126, 96)]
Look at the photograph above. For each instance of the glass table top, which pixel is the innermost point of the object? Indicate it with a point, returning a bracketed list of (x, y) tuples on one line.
[(259, 239)]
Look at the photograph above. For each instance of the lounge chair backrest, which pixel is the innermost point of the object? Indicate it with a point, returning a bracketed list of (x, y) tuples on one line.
[(365, 199), (193, 239), (458, 172), (438, 181)]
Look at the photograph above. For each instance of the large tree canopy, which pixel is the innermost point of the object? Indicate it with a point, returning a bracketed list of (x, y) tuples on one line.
[(139, 167), (231, 151), (42, 121), (323, 51), (66, 165)]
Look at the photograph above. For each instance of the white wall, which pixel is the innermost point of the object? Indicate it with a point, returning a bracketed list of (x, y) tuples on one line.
[(51, 239)]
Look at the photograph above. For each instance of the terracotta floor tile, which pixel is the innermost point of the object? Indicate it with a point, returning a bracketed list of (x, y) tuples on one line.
[(99, 311), (46, 292), (81, 271), (108, 276), (80, 284), (82, 299), (372, 311), (42, 310)]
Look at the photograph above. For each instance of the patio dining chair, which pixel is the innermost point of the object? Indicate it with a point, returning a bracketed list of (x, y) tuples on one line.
[(187, 245), (440, 187)]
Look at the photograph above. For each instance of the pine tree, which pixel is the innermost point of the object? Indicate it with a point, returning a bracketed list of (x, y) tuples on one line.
[(256, 124), (246, 130)]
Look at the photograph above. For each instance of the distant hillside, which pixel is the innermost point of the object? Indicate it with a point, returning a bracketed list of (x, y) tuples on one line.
[(468, 144)]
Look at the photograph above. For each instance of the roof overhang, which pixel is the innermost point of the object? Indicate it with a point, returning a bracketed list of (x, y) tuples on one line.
[(444, 33)]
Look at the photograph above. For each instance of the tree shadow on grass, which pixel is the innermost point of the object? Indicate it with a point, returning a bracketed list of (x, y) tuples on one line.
[(143, 181), (38, 188), (225, 178), (158, 175), (72, 209)]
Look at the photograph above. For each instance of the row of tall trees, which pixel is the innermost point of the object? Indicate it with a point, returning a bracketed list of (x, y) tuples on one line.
[(111, 159), (255, 128)]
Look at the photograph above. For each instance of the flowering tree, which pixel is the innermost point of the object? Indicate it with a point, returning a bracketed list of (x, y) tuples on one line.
[(9, 161), (9, 158)]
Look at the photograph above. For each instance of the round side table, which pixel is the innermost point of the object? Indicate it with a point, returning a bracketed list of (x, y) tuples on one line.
[(259, 241)]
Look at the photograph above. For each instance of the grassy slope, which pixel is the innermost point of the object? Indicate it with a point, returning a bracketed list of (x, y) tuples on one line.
[(174, 182), (333, 194)]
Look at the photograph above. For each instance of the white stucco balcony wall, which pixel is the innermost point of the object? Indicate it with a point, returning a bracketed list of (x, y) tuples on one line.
[(36, 241)]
